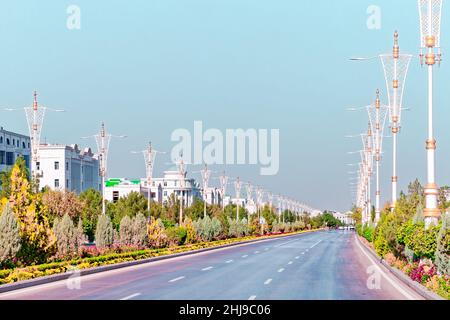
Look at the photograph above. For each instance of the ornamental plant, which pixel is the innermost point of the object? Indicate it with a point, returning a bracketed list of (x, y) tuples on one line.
[(126, 231), (104, 234), (157, 237), (68, 239), (10, 241), (139, 230), (442, 255)]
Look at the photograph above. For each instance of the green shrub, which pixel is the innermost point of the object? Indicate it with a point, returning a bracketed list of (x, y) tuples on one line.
[(68, 239), (176, 235), (442, 255), (208, 229), (418, 239), (10, 241), (157, 237), (140, 230), (126, 231), (104, 233)]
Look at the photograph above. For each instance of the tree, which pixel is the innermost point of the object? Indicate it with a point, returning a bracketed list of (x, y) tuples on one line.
[(442, 254), (10, 241), (140, 230), (104, 233), (5, 176), (126, 231), (38, 239), (68, 239), (157, 237), (92, 209), (60, 203), (130, 206)]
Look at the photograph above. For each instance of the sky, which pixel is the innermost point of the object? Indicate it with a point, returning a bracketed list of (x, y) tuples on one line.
[(149, 67)]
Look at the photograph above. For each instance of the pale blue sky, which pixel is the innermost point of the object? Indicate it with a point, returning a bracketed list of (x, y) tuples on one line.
[(148, 67)]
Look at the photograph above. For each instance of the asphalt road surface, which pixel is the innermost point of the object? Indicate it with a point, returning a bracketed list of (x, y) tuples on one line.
[(325, 265)]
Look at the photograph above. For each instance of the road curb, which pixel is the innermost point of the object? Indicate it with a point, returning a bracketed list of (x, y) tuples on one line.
[(84, 272), (417, 287)]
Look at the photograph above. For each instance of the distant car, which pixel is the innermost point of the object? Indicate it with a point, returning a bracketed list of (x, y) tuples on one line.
[(341, 228)]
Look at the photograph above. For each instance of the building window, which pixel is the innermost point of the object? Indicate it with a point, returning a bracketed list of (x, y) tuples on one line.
[(9, 158), (18, 143), (1, 139), (29, 146), (67, 166), (14, 142), (56, 183), (165, 193), (67, 183), (8, 142), (56, 165), (115, 196), (165, 183), (2, 157), (23, 145), (38, 166)]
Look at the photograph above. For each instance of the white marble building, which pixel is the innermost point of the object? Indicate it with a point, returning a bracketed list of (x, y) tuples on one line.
[(13, 145), (68, 168)]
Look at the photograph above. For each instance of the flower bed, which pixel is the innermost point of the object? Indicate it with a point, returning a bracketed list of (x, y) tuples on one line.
[(32, 272)]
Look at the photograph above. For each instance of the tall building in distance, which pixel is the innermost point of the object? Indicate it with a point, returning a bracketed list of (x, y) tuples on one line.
[(12, 146), (68, 168)]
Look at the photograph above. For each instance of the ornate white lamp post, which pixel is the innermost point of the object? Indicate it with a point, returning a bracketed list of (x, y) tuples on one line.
[(377, 119), (395, 68), (103, 139), (237, 186), (206, 174), (430, 12), (223, 188)]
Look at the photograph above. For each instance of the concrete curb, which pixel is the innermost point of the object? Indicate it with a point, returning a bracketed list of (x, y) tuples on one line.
[(84, 272), (417, 287)]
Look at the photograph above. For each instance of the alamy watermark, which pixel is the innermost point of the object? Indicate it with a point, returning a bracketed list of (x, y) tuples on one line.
[(374, 19), (236, 146), (73, 21)]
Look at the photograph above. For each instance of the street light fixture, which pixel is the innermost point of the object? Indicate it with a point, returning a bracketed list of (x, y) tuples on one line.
[(430, 12)]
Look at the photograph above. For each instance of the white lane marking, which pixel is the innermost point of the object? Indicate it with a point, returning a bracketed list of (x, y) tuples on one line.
[(290, 262), (281, 270), (177, 279), (245, 256), (256, 252), (266, 249), (303, 253), (131, 297), (252, 298), (268, 281), (315, 244), (297, 257), (229, 261), (207, 269), (282, 244), (392, 282)]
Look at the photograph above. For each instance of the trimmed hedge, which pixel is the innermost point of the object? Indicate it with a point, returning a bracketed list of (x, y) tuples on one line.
[(31, 272)]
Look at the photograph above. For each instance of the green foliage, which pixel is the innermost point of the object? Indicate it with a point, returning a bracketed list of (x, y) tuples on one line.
[(130, 206), (92, 209), (104, 233), (176, 235), (418, 239), (238, 229), (126, 231), (442, 254), (10, 241), (68, 239), (157, 237), (140, 230), (5, 177), (191, 234), (208, 229)]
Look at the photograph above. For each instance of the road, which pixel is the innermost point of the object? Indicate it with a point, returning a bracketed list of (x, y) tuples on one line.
[(325, 265)]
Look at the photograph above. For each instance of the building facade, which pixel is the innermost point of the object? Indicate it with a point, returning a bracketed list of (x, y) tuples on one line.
[(12, 146), (68, 168), (161, 189)]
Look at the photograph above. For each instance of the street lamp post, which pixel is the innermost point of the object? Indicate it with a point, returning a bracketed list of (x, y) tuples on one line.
[(395, 68), (377, 118), (149, 158), (430, 28), (249, 188), (237, 186), (182, 177), (206, 174), (223, 188), (103, 140)]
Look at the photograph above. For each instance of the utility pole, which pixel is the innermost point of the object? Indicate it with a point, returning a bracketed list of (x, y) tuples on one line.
[(223, 188)]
